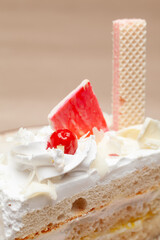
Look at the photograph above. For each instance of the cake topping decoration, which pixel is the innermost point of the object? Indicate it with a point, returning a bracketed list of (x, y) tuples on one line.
[(129, 37), (113, 155), (149, 136), (64, 138), (51, 163), (79, 112)]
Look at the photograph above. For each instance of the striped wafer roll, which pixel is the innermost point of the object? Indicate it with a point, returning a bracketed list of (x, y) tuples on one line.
[(129, 38)]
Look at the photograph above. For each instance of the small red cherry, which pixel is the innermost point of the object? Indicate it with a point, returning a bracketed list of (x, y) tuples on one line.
[(63, 137)]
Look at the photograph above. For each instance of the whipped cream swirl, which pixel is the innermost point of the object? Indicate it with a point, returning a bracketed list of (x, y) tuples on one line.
[(52, 163)]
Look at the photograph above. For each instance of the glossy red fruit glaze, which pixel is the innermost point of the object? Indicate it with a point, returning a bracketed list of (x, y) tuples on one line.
[(79, 112), (63, 137)]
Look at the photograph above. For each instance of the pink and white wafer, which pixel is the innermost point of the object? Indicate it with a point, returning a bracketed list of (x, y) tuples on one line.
[(129, 38)]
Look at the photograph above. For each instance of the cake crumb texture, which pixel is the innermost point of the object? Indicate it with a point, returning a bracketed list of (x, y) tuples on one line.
[(99, 199)]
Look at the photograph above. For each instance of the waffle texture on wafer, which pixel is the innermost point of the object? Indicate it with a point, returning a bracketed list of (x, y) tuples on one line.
[(129, 72)]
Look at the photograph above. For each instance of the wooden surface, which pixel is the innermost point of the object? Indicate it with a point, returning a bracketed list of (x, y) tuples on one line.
[(48, 47)]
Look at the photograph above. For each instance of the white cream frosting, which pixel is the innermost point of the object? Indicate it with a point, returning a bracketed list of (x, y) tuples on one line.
[(51, 163), (32, 177)]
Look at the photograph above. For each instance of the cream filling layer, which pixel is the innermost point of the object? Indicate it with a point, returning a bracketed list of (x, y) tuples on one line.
[(136, 202)]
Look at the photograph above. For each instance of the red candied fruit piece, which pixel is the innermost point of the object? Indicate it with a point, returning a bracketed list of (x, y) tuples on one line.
[(113, 155), (65, 138), (79, 112)]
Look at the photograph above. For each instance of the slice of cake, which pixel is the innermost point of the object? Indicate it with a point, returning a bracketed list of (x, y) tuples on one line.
[(106, 187), (77, 179)]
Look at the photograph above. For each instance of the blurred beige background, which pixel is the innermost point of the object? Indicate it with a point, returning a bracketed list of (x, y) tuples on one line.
[(47, 47)]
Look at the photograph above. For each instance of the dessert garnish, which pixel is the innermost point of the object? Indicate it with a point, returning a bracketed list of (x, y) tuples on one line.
[(79, 112), (113, 155), (129, 73), (64, 138), (149, 136)]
